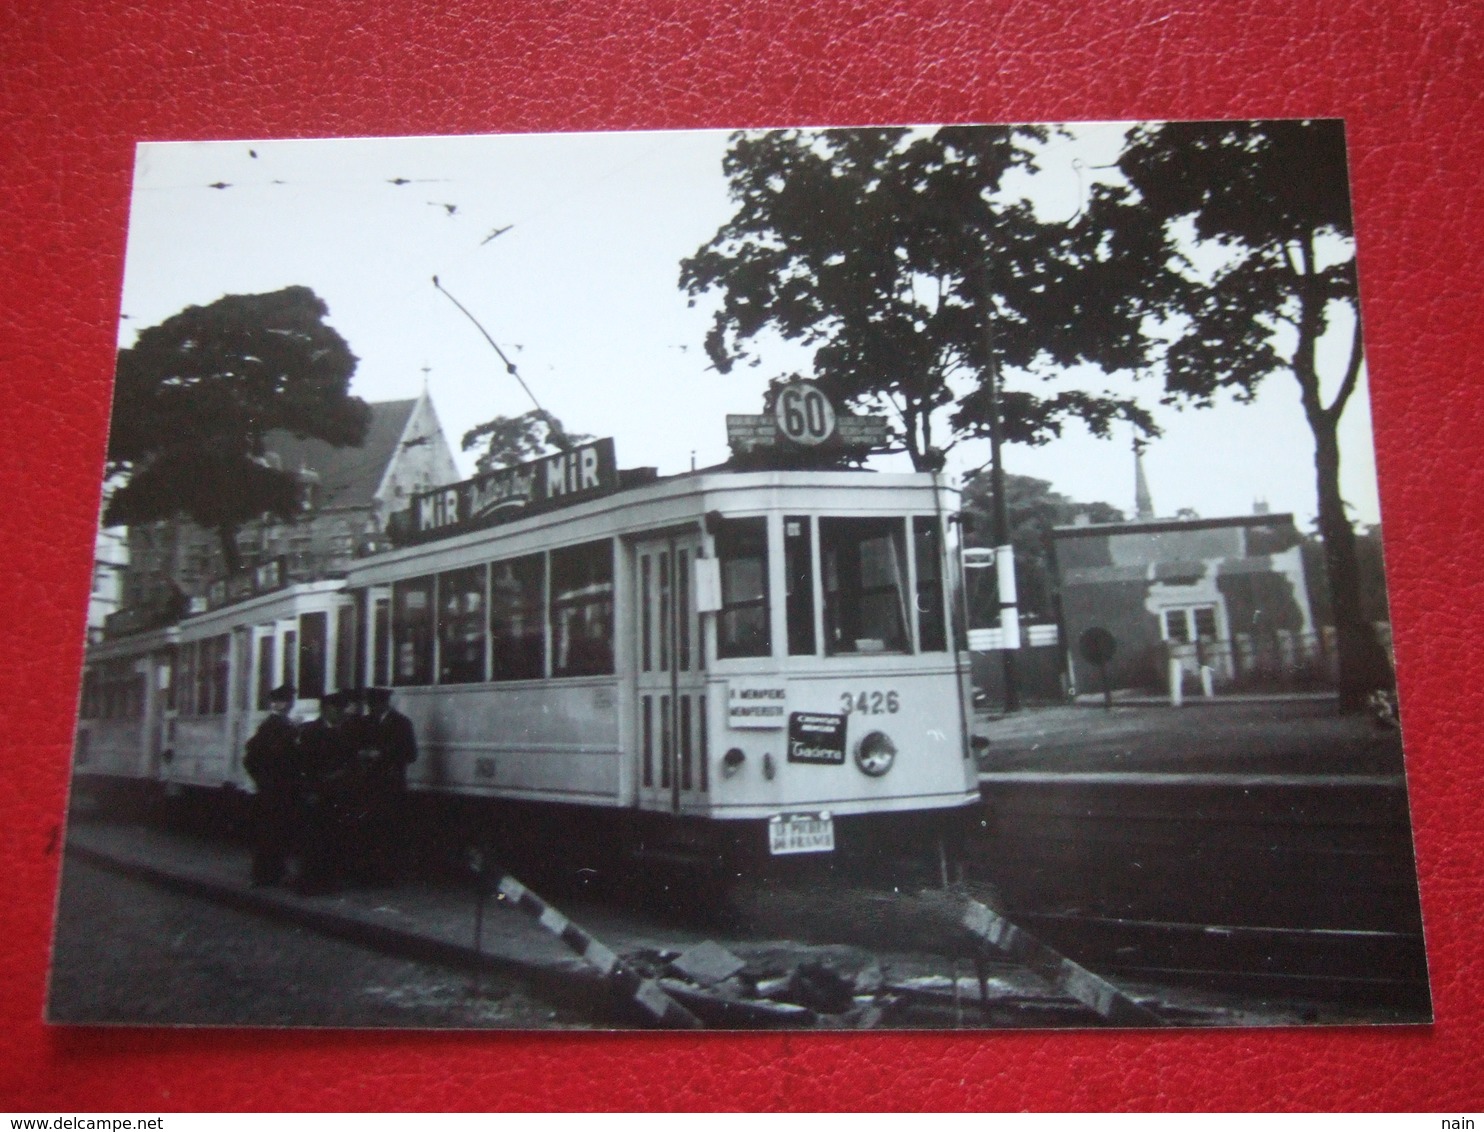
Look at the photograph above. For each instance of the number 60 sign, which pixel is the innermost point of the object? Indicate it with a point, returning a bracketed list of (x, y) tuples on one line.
[(804, 414)]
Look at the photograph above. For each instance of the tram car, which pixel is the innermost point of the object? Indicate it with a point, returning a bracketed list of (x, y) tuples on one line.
[(176, 705), (769, 661)]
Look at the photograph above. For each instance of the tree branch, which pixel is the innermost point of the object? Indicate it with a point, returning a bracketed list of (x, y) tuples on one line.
[(1352, 372)]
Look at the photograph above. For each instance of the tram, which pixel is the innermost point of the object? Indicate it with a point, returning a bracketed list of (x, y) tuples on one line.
[(176, 705), (768, 660)]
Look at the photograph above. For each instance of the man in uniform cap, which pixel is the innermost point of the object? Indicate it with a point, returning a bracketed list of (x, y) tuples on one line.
[(272, 761), (328, 758), (392, 743)]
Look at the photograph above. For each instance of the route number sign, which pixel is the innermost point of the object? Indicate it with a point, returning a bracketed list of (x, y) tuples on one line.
[(804, 414)]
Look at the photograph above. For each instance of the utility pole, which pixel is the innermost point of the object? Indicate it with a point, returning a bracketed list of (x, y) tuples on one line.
[(1004, 555)]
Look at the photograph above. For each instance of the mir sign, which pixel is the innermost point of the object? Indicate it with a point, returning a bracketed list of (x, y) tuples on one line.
[(583, 472)]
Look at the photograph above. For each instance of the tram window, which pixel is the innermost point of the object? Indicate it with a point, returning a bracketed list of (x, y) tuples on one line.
[(742, 547), (221, 668), (518, 618), (798, 570), (864, 563), (291, 658), (582, 610), (345, 647), (188, 679), (932, 631), (461, 626), (412, 632), (265, 671), (204, 668), (314, 632)]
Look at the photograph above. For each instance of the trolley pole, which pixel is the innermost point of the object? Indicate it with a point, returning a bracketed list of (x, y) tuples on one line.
[(1009, 613)]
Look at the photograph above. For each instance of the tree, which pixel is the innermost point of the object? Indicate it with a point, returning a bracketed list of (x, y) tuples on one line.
[(893, 255), (195, 396), (1254, 264), (513, 440), (1034, 509)]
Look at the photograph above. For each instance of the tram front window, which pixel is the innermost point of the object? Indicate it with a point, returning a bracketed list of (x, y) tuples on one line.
[(864, 563), (742, 547)]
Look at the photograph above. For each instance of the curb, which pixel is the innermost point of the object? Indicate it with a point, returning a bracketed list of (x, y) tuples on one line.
[(566, 982)]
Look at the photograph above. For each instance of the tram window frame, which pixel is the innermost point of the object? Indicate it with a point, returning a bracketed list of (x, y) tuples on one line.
[(461, 652), (743, 624), (413, 630), (517, 618), (314, 641), (291, 657), (845, 598), (581, 592), (927, 550), (798, 574), (381, 640)]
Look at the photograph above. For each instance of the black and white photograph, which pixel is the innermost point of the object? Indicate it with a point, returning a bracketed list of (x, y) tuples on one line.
[(904, 577)]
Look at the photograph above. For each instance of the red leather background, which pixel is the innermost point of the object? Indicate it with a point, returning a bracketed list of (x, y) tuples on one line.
[(81, 82)]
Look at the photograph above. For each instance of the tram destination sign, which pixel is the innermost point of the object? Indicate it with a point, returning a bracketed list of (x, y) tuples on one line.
[(584, 472)]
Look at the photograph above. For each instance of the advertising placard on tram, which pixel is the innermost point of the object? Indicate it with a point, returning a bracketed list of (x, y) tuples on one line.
[(586, 471)]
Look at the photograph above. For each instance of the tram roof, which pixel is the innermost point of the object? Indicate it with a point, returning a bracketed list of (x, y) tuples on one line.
[(669, 501)]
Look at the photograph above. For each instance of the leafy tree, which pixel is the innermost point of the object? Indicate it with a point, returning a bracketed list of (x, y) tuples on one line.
[(892, 253), (1034, 509), (1254, 263), (513, 440), (195, 396)]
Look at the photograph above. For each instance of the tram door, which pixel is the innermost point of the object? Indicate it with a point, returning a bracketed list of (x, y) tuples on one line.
[(670, 675)]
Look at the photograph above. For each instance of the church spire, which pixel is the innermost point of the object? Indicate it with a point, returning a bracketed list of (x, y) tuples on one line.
[(1143, 502)]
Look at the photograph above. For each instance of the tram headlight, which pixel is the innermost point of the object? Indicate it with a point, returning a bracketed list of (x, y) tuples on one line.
[(875, 753), (731, 762)]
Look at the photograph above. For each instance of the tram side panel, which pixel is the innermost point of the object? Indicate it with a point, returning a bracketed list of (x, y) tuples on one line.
[(549, 742)]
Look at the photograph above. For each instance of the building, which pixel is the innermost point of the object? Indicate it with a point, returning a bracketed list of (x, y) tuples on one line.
[(349, 495), (110, 563), (1226, 594), (1227, 598)]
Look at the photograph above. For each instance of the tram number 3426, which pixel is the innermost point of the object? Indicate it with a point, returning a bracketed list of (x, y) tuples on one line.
[(870, 703)]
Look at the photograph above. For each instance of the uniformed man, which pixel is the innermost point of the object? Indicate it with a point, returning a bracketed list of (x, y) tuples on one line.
[(328, 758), (389, 737), (272, 759)]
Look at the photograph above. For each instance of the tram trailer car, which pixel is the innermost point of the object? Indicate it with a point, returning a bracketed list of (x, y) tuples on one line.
[(174, 707), (759, 664)]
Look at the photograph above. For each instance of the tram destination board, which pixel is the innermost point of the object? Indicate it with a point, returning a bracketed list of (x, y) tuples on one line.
[(816, 737)]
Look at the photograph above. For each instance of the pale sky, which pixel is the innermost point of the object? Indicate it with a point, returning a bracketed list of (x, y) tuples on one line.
[(582, 293)]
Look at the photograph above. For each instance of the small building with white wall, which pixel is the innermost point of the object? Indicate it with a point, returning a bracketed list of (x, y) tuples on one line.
[(1227, 594)]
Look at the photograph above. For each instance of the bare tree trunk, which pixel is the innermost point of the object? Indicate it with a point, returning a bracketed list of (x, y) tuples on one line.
[(1363, 664)]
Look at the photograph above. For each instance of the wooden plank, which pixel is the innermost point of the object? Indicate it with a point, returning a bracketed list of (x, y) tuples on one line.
[(988, 927), (646, 993)]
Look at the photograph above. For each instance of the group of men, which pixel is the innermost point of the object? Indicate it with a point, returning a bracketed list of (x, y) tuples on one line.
[(331, 791)]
